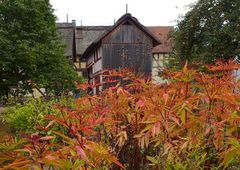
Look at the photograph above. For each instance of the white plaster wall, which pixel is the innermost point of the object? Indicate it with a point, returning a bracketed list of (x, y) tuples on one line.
[(159, 63), (97, 66)]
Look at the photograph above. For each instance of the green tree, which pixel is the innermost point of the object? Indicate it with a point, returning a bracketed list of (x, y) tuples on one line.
[(209, 31), (32, 54)]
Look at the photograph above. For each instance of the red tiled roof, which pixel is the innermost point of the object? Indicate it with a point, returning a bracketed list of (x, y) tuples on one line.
[(162, 33)]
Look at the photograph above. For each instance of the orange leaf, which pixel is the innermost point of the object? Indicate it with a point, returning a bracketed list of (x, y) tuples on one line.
[(185, 67), (46, 138), (165, 97), (50, 124)]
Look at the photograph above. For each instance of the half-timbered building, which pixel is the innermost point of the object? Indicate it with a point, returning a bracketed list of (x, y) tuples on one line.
[(125, 44)]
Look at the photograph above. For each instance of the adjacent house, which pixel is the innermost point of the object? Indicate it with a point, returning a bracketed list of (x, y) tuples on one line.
[(125, 44), (161, 53), (77, 40)]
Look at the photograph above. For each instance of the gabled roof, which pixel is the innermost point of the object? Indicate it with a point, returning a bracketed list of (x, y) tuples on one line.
[(163, 33), (124, 18), (66, 33), (86, 35)]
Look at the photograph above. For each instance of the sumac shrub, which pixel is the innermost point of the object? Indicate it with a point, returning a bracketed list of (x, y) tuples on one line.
[(190, 122)]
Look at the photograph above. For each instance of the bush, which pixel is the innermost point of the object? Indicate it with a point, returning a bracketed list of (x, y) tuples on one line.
[(25, 118)]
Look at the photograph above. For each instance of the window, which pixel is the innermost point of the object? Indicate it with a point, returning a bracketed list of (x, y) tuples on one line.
[(95, 56)]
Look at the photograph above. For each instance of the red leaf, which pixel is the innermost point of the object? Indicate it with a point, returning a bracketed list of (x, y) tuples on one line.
[(208, 130), (140, 104), (175, 120), (81, 153)]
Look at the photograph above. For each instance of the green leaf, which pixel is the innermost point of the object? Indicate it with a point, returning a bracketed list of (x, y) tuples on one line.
[(67, 139), (152, 160)]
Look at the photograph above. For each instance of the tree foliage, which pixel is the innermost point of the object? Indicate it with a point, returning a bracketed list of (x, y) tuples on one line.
[(209, 31), (32, 54), (191, 122)]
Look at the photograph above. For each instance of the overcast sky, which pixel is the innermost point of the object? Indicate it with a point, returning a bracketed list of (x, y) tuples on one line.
[(103, 12)]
